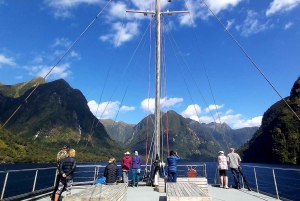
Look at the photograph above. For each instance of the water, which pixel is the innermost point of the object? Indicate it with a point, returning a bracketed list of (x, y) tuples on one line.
[(288, 182)]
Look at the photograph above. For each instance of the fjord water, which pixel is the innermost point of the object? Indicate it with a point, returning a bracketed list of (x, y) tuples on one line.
[(288, 181)]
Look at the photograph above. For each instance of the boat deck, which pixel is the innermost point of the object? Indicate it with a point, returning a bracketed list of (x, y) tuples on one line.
[(147, 193)]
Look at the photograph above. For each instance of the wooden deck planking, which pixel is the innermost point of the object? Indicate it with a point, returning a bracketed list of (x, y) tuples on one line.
[(100, 192), (185, 192)]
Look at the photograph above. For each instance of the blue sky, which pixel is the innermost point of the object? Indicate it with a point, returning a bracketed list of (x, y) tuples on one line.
[(113, 65)]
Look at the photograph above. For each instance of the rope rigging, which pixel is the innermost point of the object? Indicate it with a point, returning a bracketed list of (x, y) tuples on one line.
[(59, 60), (251, 60)]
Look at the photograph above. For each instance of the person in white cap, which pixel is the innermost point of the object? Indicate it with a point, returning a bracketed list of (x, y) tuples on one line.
[(223, 169)]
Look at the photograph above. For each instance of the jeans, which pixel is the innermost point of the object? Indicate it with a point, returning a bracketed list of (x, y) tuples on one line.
[(236, 176), (135, 176), (125, 176), (172, 176)]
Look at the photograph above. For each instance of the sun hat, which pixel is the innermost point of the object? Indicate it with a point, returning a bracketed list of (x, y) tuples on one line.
[(127, 153), (221, 152)]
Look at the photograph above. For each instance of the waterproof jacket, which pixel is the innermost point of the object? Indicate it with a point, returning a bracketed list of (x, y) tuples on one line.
[(126, 163), (67, 166), (111, 173), (136, 162), (172, 163)]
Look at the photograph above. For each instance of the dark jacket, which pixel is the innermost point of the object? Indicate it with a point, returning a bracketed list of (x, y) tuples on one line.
[(111, 173), (67, 166), (136, 162), (172, 163)]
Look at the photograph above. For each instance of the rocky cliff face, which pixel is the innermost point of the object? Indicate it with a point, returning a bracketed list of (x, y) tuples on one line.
[(278, 138)]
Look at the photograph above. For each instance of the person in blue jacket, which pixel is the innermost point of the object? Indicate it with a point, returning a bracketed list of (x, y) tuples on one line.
[(172, 166)]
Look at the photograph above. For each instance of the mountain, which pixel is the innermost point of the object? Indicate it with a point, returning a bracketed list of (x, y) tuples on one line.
[(195, 141), (53, 115), (118, 131), (17, 90), (278, 138), (222, 134)]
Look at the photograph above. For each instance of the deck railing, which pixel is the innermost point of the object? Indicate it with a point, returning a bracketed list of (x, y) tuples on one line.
[(280, 183), (26, 183)]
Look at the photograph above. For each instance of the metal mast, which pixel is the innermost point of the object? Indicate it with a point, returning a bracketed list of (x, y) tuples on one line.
[(157, 80), (157, 15)]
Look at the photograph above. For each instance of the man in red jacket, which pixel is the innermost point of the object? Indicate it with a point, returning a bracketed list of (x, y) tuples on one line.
[(126, 163)]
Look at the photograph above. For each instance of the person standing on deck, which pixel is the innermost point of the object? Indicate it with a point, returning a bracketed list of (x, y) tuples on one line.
[(66, 170), (63, 153), (234, 161), (136, 169), (111, 172), (172, 166), (126, 163), (223, 168)]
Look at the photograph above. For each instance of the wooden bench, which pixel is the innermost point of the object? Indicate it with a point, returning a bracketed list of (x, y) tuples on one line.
[(101, 192), (200, 181), (185, 191)]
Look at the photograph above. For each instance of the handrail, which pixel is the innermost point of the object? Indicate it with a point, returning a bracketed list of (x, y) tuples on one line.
[(254, 184), (275, 168)]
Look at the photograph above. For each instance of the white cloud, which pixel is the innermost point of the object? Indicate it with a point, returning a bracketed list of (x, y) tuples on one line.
[(65, 42), (107, 110), (229, 23), (288, 25), (213, 107), (256, 121), (192, 112), (149, 104), (252, 25), (61, 71), (6, 61), (217, 6), (198, 9), (38, 59), (62, 8), (234, 120), (126, 108), (117, 10), (281, 6), (126, 34), (75, 55)]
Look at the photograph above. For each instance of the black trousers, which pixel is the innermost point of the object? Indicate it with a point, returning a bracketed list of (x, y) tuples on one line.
[(56, 186)]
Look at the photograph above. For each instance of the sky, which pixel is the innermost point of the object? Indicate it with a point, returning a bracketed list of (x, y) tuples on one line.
[(111, 54)]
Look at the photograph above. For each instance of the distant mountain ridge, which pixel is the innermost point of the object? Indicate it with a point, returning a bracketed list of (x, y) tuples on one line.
[(278, 138), (118, 131), (194, 140)]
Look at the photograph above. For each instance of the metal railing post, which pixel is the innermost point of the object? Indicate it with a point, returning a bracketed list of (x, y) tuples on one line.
[(275, 184), (4, 186), (205, 173), (256, 180), (34, 183), (95, 173), (56, 173)]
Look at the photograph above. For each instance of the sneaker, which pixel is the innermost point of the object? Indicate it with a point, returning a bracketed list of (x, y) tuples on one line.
[(221, 186)]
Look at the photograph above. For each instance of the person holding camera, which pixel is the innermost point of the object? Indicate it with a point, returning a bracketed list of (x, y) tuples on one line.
[(172, 166)]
